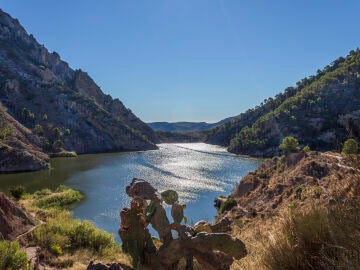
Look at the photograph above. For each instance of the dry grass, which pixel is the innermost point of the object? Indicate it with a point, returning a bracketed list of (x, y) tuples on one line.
[(315, 239)]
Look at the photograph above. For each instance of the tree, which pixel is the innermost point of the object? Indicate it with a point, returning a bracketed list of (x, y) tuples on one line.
[(17, 191), (351, 147), (38, 130), (289, 145), (56, 132), (57, 145), (6, 131)]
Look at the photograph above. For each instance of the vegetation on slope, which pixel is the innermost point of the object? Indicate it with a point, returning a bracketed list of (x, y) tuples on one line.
[(316, 239), (63, 108), (299, 211), (11, 256), (66, 242), (321, 111), (185, 127)]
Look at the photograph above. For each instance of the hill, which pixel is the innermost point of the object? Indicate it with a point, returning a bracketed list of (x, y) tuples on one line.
[(62, 107), (322, 111), (185, 127), (298, 212)]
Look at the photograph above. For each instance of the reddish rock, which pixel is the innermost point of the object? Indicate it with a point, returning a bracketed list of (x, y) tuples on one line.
[(13, 219)]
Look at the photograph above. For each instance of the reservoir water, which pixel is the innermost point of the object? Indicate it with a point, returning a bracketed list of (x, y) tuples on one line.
[(199, 172)]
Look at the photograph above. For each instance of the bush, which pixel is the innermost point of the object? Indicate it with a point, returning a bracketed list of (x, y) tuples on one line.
[(64, 233), (289, 145), (351, 147), (38, 130), (56, 133), (17, 191), (56, 250), (227, 205), (6, 131), (62, 198), (57, 145), (11, 256), (306, 148)]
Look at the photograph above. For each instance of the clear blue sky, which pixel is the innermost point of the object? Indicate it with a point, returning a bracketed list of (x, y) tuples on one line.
[(194, 60)]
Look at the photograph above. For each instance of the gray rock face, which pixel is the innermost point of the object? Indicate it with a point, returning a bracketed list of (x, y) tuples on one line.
[(43, 93)]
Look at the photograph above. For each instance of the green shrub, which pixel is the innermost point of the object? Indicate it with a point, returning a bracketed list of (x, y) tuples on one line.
[(227, 205), (61, 234), (17, 191), (56, 133), (289, 145), (6, 131), (42, 193), (306, 148), (57, 145), (56, 250), (62, 198), (11, 256), (351, 147), (38, 130)]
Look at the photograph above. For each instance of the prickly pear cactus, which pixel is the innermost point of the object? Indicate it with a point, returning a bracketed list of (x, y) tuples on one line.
[(177, 213), (211, 247), (170, 196)]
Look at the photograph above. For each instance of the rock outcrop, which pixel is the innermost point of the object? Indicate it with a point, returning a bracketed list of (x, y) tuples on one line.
[(13, 220), (300, 180), (20, 149), (61, 105)]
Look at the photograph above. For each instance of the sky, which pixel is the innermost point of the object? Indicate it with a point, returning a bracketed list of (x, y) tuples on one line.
[(192, 60)]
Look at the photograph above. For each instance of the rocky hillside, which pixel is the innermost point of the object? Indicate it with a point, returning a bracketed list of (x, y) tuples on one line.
[(298, 212), (13, 219), (20, 149), (61, 105), (299, 180), (177, 137), (322, 111)]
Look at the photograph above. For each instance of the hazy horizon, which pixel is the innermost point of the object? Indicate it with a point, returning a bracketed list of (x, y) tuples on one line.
[(193, 61)]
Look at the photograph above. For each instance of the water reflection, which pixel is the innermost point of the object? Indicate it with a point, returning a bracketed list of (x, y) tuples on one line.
[(199, 172)]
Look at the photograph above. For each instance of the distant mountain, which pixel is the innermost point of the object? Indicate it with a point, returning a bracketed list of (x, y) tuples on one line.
[(185, 127), (57, 104), (321, 111)]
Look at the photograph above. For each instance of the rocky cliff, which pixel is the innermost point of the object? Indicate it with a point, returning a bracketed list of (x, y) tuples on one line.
[(299, 180), (13, 219), (20, 149), (322, 111), (61, 105)]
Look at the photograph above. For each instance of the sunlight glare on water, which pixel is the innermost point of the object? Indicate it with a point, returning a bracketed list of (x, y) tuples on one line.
[(198, 172)]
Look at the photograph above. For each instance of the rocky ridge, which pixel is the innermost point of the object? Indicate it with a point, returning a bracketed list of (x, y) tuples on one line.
[(57, 103), (322, 111)]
